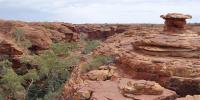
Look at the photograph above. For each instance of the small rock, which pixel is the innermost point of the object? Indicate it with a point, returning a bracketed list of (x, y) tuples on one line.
[(141, 87), (98, 75), (83, 94)]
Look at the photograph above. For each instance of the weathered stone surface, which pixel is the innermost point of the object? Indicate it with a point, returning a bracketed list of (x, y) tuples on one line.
[(175, 21), (176, 15), (158, 57), (109, 90), (188, 97), (169, 59)]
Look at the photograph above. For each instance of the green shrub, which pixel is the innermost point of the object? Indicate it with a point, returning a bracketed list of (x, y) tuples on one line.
[(12, 83), (90, 45), (64, 48), (21, 39), (49, 62), (31, 75), (97, 61), (5, 63), (54, 72), (35, 92)]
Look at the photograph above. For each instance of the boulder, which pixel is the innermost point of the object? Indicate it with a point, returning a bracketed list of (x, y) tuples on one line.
[(175, 21), (104, 73)]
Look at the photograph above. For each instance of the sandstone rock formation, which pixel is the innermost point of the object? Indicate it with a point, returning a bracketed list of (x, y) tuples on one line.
[(8, 47), (175, 21), (111, 90), (169, 59)]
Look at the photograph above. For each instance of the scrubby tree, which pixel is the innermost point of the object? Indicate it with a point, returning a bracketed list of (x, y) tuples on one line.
[(11, 83), (53, 71)]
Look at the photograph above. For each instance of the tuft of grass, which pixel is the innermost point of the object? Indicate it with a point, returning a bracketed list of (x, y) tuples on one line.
[(96, 62)]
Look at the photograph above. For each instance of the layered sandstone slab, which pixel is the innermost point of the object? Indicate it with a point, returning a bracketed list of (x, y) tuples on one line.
[(172, 60), (121, 90)]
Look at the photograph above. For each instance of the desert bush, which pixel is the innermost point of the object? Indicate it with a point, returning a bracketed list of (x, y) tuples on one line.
[(96, 62), (54, 72), (90, 45), (11, 83), (5, 63), (64, 48), (21, 38), (49, 62), (31, 75), (35, 92)]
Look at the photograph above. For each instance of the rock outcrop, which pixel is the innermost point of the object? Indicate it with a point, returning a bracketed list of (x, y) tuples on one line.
[(101, 31), (169, 59), (175, 21), (122, 89), (41, 35), (8, 47)]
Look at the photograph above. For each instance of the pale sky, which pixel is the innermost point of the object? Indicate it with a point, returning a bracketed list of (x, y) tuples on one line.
[(97, 11)]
